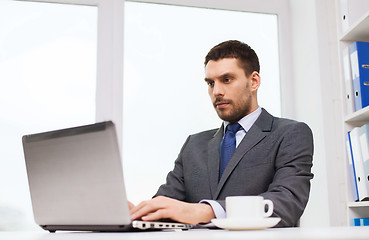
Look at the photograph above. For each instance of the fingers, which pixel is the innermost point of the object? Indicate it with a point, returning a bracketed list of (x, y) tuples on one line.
[(137, 211), (164, 207), (147, 208), (130, 205), (159, 214)]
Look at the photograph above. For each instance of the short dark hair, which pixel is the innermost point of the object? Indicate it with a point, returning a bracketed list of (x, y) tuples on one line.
[(247, 57)]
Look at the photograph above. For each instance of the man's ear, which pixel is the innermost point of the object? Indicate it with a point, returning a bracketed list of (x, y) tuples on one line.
[(255, 81)]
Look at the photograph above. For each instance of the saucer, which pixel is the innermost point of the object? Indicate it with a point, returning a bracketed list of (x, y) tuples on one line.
[(246, 224)]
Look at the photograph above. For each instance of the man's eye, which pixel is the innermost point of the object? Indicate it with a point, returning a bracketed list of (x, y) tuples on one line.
[(227, 80), (210, 84)]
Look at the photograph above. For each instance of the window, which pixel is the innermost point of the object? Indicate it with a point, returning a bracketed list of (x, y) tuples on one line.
[(165, 95), (48, 81), (34, 68)]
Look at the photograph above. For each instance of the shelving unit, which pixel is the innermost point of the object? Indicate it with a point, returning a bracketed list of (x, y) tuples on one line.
[(358, 204), (358, 117), (358, 31)]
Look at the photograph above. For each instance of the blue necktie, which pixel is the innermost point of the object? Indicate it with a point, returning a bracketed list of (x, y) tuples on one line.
[(228, 146)]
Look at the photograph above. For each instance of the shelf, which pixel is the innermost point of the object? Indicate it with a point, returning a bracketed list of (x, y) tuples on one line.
[(358, 31), (358, 204), (360, 116)]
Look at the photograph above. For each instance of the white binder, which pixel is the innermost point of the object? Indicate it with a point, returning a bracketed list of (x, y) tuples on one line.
[(359, 164), (354, 196), (349, 97), (364, 137)]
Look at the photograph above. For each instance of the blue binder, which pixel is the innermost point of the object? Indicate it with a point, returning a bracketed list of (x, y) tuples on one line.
[(360, 222), (359, 56)]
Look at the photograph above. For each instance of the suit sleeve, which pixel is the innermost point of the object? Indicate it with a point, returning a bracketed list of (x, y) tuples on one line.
[(174, 186), (290, 187)]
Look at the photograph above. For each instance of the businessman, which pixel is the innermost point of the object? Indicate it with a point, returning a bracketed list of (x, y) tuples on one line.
[(252, 153)]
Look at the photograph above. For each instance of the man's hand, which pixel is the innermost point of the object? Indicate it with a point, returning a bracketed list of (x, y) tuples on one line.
[(163, 207), (130, 205)]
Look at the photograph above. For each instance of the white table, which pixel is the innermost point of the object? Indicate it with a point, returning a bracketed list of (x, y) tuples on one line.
[(332, 233)]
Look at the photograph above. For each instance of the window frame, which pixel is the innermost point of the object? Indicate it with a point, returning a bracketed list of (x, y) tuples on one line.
[(109, 80)]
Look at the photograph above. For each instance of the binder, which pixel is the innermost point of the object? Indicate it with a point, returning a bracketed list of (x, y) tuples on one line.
[(364, 140), (356, 9), (351, 169), (350, 104), (344, 15), (358, 165), (360, 222), (359, 58)]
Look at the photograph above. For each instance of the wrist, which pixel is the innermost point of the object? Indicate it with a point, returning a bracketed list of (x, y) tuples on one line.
[(206, 213)]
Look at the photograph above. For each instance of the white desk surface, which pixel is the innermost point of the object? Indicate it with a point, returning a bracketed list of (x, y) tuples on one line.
[(332, 233)]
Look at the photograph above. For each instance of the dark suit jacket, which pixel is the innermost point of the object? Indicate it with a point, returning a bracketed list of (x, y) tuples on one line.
[(273, 160)]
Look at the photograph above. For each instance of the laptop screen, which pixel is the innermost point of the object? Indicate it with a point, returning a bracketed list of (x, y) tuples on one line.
[(75, 176)]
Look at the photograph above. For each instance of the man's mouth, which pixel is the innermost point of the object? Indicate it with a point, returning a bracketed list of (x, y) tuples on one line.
[(221, 104)]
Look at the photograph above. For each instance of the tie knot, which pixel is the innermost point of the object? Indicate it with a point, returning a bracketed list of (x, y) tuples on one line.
[(234, 127)]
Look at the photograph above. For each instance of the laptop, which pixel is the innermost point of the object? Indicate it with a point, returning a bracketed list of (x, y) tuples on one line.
[(76, 182)]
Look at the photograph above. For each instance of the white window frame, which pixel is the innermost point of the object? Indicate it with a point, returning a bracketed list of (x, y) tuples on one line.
[(109, 81)]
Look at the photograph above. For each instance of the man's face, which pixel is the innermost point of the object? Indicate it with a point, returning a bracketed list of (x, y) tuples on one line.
[(232, 93)]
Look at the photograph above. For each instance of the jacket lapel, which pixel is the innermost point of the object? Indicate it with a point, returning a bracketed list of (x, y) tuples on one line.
[(257, 132), (214, 159)]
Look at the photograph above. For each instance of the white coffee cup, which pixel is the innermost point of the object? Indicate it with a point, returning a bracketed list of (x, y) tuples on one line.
[(246, 207)]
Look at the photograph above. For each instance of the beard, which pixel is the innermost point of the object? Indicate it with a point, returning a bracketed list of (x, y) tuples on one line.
[(235, 110)]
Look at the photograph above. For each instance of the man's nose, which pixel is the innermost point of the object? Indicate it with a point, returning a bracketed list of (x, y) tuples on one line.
[(218, 89)]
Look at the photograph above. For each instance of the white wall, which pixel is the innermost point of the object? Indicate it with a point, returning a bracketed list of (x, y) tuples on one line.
[(318, 103)]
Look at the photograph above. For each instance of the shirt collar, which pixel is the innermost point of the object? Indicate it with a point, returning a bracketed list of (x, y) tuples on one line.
[(247, 121)]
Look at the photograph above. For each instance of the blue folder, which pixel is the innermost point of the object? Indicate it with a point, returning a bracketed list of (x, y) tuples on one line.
[(359, 56)]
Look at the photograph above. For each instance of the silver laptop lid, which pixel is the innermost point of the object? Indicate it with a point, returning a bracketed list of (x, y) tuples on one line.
[(75, 176)]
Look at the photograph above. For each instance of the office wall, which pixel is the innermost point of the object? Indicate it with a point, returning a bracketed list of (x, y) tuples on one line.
[(317, 102)]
